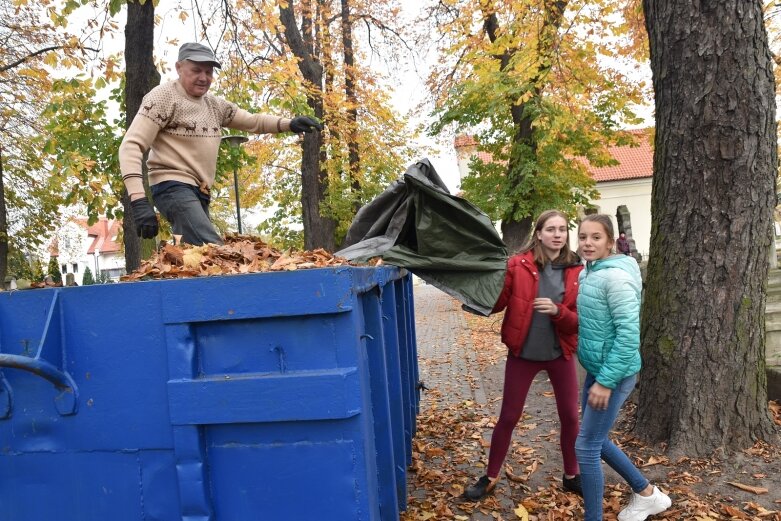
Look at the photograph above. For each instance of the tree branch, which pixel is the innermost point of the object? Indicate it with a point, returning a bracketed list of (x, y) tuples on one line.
[(30, 56)]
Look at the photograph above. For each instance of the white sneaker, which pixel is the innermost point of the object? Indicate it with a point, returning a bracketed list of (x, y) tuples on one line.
[(640, 507)]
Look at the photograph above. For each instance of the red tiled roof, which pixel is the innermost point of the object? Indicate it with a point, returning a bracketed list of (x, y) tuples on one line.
[(54, 248), (635, 162), (464, 140), (485, 157), (102, 232)]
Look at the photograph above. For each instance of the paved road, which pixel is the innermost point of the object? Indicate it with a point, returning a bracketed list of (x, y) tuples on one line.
[(444, 347)]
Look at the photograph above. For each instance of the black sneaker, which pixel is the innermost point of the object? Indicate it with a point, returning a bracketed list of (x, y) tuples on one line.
[(572, 484), (480, 489)]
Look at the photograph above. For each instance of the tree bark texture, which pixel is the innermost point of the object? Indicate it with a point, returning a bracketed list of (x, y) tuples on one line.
[(703, 384), (3, 226), (353, 156), (140, 77), (515, 234), (318, 230)]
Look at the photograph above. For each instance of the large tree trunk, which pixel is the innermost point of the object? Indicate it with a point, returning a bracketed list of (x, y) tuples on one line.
[(140, 77), (318, 230), (515, 234), (353, 157), (703, 383), (3, 226)]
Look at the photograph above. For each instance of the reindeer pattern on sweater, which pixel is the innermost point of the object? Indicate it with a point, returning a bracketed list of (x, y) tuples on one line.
[(182, 115)]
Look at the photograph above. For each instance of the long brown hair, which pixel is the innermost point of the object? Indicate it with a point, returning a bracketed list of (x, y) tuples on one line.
[(566, 256)]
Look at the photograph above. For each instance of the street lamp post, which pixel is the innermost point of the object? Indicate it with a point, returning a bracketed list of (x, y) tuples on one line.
[(235, 141)]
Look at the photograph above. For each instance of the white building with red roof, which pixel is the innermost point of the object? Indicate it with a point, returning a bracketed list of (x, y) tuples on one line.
[(78, 245), (624, 189)]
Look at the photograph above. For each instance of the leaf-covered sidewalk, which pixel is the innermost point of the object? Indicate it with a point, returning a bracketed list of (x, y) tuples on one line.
[(462, 364)]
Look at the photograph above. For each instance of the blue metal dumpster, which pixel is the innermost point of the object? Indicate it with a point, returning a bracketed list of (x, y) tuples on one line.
[(276, 396)]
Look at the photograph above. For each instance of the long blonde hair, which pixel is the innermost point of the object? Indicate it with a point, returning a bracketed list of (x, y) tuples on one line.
[(566, 256)]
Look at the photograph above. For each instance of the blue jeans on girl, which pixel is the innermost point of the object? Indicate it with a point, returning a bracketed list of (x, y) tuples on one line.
[(593, 445)]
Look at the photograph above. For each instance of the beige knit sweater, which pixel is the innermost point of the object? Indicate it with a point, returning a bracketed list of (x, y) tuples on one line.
[(182, 134)]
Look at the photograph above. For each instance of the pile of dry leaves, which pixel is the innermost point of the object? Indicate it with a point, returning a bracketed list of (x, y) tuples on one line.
[(239, 254)]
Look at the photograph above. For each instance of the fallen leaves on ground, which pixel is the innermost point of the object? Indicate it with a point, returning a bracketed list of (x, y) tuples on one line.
[(775, 410), (239, 254), (449, 453), (522, 513)]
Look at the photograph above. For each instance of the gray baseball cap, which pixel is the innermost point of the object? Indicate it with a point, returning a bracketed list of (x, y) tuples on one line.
[(197, 52)]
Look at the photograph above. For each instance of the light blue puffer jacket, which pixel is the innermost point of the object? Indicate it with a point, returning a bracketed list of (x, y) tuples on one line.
[(609, 319)]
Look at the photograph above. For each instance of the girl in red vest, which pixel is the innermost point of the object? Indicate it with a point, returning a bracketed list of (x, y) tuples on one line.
[(540, 329)]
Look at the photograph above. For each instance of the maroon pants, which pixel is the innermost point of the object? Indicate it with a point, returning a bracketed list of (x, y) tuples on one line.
[(518, 377)]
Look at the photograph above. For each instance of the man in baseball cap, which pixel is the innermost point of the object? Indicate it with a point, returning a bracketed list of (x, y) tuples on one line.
[(197, 52), (181, 124)]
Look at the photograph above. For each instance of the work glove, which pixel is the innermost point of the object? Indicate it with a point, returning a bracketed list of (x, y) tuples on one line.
[(304, 124), (144, 217)]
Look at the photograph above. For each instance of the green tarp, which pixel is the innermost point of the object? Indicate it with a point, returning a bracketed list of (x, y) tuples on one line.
[(443, 239)]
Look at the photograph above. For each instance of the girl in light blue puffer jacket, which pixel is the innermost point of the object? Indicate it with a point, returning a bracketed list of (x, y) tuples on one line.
[(609, 349)]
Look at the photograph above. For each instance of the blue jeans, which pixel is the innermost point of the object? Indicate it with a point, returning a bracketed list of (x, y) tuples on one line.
[(188, 214), (593, 444)]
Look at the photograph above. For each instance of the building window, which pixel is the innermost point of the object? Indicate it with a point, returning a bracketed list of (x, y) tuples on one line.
[(112, 274), (64, 268), (75, 268)]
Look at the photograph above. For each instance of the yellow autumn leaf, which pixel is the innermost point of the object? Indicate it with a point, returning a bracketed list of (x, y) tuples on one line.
[(214, 270), (50, 59), (522, 513), (192, 258)]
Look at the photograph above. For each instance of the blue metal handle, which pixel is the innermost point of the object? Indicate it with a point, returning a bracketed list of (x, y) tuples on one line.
[(66, 400)]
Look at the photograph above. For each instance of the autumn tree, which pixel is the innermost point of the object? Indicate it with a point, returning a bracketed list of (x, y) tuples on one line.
[(348, 54), (294, 58), (80, 144), (715, 164), (81, 141), (19, 266), (32, 43), (529, 79), (318, 229), (140, 77)]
